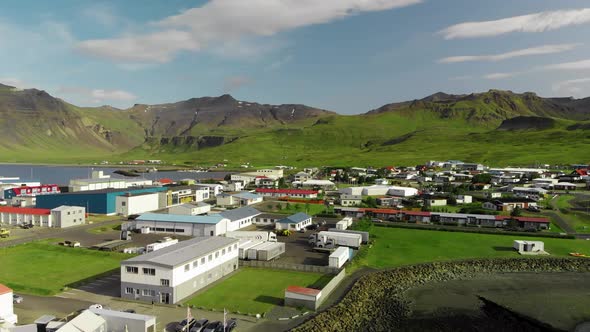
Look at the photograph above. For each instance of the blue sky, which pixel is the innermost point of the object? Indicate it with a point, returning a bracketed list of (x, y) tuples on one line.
[(348, 56)]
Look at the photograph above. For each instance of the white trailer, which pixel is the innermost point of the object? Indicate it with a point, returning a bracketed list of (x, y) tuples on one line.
[(243, 248), (253, 235), (342, 225), (332, 239), (365, 235), (166, 242), (252, 252), (273, 250), (339, 257)]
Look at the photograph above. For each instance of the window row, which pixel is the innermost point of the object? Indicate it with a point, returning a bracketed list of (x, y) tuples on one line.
[(209, 258)]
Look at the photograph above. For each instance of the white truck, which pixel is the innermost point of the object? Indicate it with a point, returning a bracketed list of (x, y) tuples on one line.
[(253, 235), (333, 239), (365, 235)]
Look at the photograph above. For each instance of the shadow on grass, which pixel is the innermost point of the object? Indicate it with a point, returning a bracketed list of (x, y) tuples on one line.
[(502, 248), (269, 299)]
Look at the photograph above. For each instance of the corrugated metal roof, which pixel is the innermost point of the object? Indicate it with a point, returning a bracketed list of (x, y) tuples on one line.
[(211, 219), (121, 314), (19, 210), (303, 290), (182, 252), (246, 195), (240, 213)]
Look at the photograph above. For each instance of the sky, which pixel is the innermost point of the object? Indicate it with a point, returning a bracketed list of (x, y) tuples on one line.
[(348, 56)]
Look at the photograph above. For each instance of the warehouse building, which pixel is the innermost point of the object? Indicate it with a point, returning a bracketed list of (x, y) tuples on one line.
[(128, 204), (190, 209), (294, 222), (297, 193), (6, 306), (243, 198), (172, 274), (60, 217), (240, 217), (186, 225), (96, 201)]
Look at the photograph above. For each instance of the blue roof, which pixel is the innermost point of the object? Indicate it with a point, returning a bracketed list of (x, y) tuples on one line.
[(212, 219), (294, 219)]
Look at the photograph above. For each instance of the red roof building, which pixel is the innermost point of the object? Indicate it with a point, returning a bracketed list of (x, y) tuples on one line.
[(4, 290), (287, 192), (31, 191), (165, 181), (26, 211), (303, 290)]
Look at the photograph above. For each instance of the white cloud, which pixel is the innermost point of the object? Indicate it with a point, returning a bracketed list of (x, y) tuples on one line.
[(538, 22), (228, 21), (101, 13), (15, 82), (539, 50), (579, 87), (500, 76), (233, 83), (576, 65), (461, 78), (96, 96)]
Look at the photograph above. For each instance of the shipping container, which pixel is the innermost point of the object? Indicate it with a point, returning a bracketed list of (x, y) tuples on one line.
[(339, 257), (271, 252), (243, 249), (364, 235)]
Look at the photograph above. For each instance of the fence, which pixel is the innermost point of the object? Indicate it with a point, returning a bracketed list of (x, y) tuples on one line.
[(327, 290), (290, 266)]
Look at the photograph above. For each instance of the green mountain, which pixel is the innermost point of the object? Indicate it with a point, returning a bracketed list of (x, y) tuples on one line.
[(496, 127)]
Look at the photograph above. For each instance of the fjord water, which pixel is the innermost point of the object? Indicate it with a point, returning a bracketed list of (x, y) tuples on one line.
[(61, 175)]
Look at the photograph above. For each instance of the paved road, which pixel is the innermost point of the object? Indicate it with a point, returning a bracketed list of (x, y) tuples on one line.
[(76, 232)]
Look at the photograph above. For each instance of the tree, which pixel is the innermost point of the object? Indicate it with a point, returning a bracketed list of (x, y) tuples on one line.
[(482, 178), (297, 206), (370, 202), (288, 206), (279, 206), (282, 184), (452, 200), (269, 206), (517, 212), (307, 208)]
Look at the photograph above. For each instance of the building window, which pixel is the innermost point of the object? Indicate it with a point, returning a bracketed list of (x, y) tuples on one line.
[(195, 264), (148, 271), (203, 260), (229, 249), (187, 267), (223, 251), (217, 254), (132, 269), (123, 203), (128, 290), (165, 282), (149, 292), (210, 258)]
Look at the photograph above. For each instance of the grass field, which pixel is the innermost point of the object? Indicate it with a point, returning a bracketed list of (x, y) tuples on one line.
[(253, 290), (44, 269), (103, 229), (395, 246), (563, 201)]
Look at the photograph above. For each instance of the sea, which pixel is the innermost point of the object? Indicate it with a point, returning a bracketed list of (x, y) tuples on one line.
[(61, 175)]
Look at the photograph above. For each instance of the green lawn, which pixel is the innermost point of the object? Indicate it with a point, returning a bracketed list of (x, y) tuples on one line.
[(579, 220), (311, 209), (562, 201), (44, 269), (103, 229), (252, 290), (395, 246)]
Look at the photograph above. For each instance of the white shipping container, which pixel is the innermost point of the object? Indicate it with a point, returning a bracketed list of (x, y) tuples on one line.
[(253, 235), (252, 253), (341, 238), (339, 257), (243, 249), (272, 251), (342, 225), (159, 245)]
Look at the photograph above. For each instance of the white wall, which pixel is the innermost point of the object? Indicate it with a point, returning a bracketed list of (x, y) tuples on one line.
[(180, 276), (136, 204), (7, 308), (161, 273)]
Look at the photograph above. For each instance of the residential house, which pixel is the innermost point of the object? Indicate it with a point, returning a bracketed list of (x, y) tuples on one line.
[(302, 177), (214, 188), (294, 222), (350, 200), (565, 186), (243, 198), (174, 273), (529, 192), (464, 199), (509, 204)]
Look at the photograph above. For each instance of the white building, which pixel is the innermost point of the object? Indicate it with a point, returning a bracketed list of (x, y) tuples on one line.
[(86, 321), (243, 198), (464, 199), (120, 321), (100, 181), (528, 246), (66, 216), (6, 306), (129, 204), (190, 209), (214, 188), (351, 200), (529, 192), (185, 225), (294, 222), (172, 274)]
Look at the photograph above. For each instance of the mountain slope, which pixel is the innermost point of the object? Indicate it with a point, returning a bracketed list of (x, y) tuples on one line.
[(495, 127)]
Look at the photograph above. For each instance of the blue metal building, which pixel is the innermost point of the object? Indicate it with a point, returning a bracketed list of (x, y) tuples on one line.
[(96, 201)]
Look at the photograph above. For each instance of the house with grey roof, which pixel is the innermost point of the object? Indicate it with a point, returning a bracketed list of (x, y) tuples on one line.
[(240, 217), (294, 222), (243, 198), (174, 273)]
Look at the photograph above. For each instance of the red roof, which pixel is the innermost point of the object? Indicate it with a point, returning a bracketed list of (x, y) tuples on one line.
[(165, 181), (18, 210), (582, 171), (524, 219), (4, 290), (418, 213), (286, 191), (303, 290)]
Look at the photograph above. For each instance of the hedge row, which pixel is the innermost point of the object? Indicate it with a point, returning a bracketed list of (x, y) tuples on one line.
[(377, 301), (466, 229)]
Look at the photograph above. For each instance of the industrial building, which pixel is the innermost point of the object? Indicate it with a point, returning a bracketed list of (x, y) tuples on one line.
[(186, 225), (240, 217), (172, 274), (60, 217), (128, 204), (190, 209), (96, 201), (99, 180)]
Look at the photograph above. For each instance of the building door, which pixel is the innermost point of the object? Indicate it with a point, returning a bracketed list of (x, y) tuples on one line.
[(165, 298)]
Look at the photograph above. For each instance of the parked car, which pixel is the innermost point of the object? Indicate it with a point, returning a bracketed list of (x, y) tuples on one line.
[(26, 226), (185, 325), (376, 220), (17, 299), (313, 227), (95, 306), (230, 325), (129, 311), (213, 327), (199, 325)]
